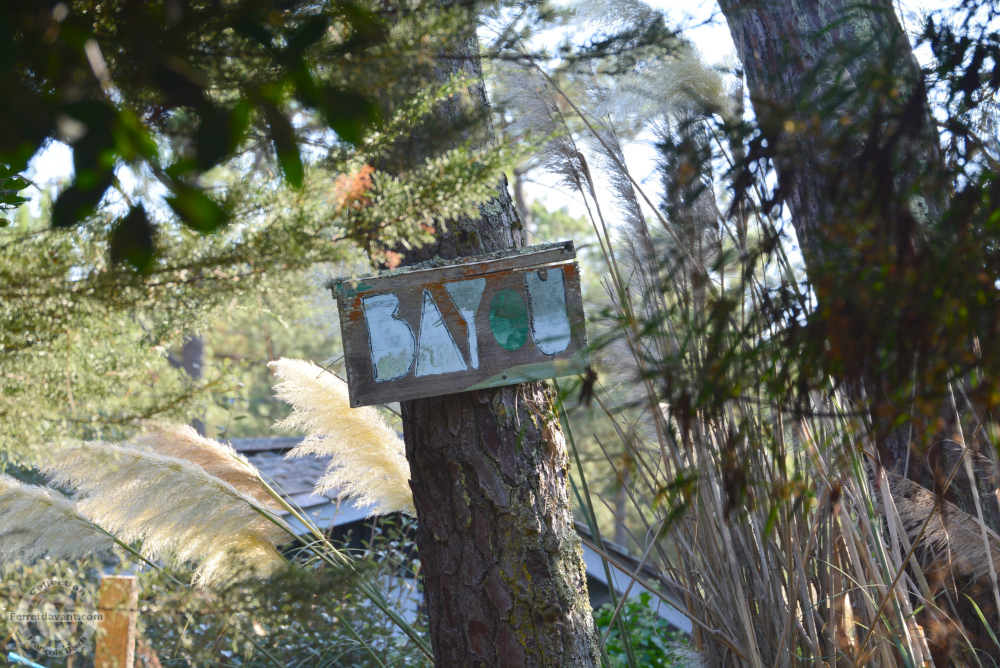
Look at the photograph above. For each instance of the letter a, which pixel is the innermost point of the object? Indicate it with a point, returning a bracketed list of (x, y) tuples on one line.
[(436, 352)]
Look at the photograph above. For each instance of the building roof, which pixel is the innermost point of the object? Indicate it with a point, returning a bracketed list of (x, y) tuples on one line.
[(295, 478)]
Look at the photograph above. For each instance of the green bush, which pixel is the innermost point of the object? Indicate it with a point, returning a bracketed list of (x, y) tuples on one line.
[(654, 643)]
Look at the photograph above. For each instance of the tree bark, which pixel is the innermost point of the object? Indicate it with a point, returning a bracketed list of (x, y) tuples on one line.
[(800, 57), (504, 577), (840, 100), (192, 361)]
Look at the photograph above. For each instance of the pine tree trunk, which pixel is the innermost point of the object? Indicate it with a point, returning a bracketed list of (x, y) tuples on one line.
[(504, 577), (503, 572), (841, 102)]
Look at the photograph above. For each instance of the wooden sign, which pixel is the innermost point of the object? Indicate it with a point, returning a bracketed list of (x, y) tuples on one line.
[(479, 322)]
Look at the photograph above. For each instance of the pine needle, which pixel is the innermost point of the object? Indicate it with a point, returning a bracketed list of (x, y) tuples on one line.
[(369, 460)]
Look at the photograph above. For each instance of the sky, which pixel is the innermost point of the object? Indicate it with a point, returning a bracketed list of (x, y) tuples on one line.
[(702, 23)]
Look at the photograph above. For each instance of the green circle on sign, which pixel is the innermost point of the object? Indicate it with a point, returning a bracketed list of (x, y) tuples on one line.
[(509, 319)]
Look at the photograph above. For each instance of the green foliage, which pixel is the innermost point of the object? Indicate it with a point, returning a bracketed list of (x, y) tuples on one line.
[(654, 644), (82, 344), (111, 76), (560, 225), (300, 619), (89, 311), (310, 615), (294, 322), (15, 582), (11, 186), (303, 618)]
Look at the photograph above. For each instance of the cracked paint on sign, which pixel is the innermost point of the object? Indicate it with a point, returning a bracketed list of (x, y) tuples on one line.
[(390, 340), (436, 352)]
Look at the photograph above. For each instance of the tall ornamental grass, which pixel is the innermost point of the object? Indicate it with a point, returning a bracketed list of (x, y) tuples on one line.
[(747, 486)]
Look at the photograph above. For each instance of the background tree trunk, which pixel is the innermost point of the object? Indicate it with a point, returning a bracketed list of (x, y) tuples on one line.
[(192, 361), (504, 577), (841, 103), (799, 56), (521, 200)]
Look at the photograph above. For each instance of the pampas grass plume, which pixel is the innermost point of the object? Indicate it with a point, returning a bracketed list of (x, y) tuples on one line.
[(218, 459), (369, 461), (37, 522), (176, 508), (955, 537)]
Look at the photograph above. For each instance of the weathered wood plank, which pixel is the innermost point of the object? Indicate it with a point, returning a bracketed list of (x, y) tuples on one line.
[(115, 646), (483, 322), (463, 267)]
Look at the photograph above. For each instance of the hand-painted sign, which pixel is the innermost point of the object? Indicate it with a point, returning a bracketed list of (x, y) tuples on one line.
[(479, 322)]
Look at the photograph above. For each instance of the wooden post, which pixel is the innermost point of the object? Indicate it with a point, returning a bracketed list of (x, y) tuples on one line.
[(116, 631)]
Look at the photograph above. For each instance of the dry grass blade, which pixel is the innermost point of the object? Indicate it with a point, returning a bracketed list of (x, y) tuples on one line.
[(953, 536)]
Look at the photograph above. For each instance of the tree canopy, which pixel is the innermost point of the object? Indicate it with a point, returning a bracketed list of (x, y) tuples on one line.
[(214, 147)]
